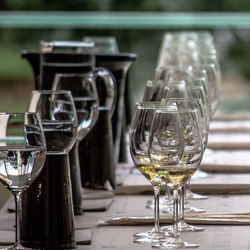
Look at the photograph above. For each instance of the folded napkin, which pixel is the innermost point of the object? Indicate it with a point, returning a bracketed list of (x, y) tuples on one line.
[(232, 188), (204, 219), (134, 189), (220, 168), (201, 188), (224, 161), (228, 145), (229, 141), (232, 116), (230, 126)]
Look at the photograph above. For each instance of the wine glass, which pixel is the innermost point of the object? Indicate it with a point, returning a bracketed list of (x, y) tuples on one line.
[(22, 156), (176, 91), (103, 44), (139, 134), (195, 104), (50, 222), (183, 89), (175, 152), (58, 116), (83, 90)]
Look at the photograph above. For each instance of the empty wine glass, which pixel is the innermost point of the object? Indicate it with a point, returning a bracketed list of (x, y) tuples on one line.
[(22, 156), (175, 151), (85, 96), (103, 44)]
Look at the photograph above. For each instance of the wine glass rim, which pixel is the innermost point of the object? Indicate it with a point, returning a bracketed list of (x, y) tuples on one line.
[(153, 105), (73, 74), (51, 91), (65, 43), (19, 113), (186, 99)]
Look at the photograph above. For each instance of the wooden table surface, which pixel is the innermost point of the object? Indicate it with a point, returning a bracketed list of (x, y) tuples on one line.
[(230, 237)]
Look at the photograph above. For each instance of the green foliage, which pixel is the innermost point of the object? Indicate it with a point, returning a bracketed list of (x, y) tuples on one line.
[(239, 53), (43, 5), (127, 5)]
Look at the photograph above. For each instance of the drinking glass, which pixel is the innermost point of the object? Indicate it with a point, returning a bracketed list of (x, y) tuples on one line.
[(181, 89), (85, 96), (175, 151), (193, 104), (139, 135), (103, 44), (58, 116), (22, 156)]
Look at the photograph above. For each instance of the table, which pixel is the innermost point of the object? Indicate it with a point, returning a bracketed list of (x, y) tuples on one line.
[(230, 237)]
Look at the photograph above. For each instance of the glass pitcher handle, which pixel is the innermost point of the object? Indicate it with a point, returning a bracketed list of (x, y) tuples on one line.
[(106, 88)]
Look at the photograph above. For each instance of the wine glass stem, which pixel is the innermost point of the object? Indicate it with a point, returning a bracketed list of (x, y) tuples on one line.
[(156, 208), (167, 193), (17, 196), (175, 213), (182, 204)]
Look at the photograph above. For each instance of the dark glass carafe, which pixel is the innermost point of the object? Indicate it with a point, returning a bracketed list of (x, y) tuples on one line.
[(97, 154), (45, 203), (47, 216)]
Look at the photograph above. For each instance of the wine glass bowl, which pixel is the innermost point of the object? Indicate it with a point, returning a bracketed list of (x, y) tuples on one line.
[(58, 116), (85, 97), (22, 156)]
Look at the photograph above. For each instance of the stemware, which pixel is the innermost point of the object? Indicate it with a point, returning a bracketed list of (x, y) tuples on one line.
[(175, 151), (183, 89), (49, 215), (193, 104), (103, 44), (178, 90), (83, 90), (139, 135), (22, 156)]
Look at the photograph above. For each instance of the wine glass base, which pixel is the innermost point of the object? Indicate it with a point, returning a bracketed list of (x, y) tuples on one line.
[(193, 196), (151, 235), (194, 210), (173, 243), (199, 174), (183, 227), (145, 240), (17, 246)]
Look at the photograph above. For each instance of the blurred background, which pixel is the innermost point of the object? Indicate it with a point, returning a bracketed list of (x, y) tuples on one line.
[(232, 42)]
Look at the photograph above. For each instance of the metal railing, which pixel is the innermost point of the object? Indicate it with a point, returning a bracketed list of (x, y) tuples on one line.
[(122, 20)]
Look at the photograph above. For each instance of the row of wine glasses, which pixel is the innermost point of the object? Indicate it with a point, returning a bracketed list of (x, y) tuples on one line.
[(166, 146), (169, 151), (197, 63)]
